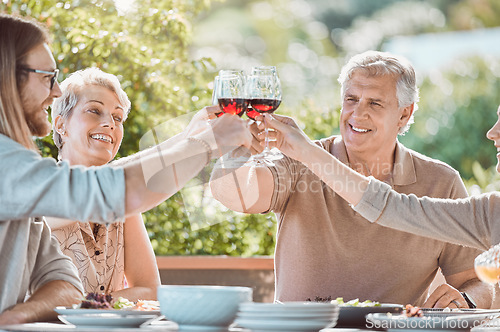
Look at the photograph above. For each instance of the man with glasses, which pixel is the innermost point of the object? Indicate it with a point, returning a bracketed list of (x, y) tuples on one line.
[(50, 75), (32, 266)]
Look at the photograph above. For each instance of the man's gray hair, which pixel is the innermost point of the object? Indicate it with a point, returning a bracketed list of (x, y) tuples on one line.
[(382, 63), (74, 84)]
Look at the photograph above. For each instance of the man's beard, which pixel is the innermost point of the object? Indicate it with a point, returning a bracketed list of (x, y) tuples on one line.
[(38, 125)]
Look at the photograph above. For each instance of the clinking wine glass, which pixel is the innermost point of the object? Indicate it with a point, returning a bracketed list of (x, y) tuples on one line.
[(231, 95), (264, 91), (230, 92)]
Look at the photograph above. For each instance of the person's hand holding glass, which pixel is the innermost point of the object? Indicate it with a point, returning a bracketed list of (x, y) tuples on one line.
[(264, 92)]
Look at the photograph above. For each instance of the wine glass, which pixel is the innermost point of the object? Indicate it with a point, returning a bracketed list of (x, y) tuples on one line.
[(231, 95), (264, 91), (487, 265)]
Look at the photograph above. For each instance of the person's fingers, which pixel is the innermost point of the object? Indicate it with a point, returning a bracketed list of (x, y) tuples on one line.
[(445, 296), (257, 146), (247, 133), (448, 300), (254, 129), (272, 134), (261, 125), (259, 118), (276, 122), (248, 140), (434, 297), (212, 111), (273, 144)]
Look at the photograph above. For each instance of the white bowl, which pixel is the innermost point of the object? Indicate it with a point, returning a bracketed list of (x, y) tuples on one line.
[(211, 306)]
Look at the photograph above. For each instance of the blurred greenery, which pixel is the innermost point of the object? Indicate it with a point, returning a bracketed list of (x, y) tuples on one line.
[(167, 52)]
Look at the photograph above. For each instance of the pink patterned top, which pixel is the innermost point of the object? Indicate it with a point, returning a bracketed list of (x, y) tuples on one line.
[(100, 258)]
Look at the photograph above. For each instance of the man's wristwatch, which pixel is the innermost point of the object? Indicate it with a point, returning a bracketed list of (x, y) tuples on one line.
[(469, 300)]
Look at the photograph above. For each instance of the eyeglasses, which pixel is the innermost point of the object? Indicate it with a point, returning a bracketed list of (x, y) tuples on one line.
[(53, 79)]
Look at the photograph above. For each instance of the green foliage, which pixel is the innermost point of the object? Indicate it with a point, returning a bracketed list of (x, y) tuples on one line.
[(149, 49), (456, 110), (237, 235), (149, 52), (483, 180)]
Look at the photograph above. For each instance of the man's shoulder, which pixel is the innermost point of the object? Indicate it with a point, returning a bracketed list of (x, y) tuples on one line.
[(7, 142), (429, 164), (326, 142), (10, 149)]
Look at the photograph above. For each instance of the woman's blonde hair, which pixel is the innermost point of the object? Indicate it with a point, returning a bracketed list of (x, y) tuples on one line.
[(18, 36), (71, 88)]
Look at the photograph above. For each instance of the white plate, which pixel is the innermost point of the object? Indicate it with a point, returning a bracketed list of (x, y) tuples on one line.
[(350, 316), (303, 307), (401, 322), (441, 312), (287, 315), (284, 325), (106, 320), (203, 328), (123, 312)]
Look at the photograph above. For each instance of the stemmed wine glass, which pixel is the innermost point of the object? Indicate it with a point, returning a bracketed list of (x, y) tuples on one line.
[(264, 92), (230, 94)]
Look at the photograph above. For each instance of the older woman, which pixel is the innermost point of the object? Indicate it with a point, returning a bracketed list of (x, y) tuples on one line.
[(88, 130), (471, 221)]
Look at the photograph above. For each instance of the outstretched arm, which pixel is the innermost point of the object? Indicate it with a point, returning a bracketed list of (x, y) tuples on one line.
[(243, 188), (470, 221), (158, 173), (349, 184)]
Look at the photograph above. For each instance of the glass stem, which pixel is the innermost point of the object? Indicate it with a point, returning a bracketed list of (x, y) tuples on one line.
[(266, 136)]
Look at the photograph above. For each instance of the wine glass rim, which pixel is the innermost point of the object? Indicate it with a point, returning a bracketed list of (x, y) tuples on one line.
[(264, 67), (224, 72)]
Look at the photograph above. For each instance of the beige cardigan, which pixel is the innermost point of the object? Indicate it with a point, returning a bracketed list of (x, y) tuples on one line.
[(472, 221)]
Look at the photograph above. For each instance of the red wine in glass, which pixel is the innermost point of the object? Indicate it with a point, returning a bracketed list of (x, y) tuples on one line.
[(251, 113), (235, 106), (262, 105)]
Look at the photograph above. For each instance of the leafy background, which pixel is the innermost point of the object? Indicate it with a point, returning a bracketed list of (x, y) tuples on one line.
[(167, 52)]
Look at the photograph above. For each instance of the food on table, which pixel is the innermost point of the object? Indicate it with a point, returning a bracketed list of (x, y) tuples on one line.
[(412, 311), (146, 305), (105, 301), (355, 303), (320, 299), (352, 303), (123, 303), (96, 301)]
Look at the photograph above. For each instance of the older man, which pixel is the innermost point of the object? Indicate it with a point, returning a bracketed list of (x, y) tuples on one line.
[(31, 263), (324, 248)]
